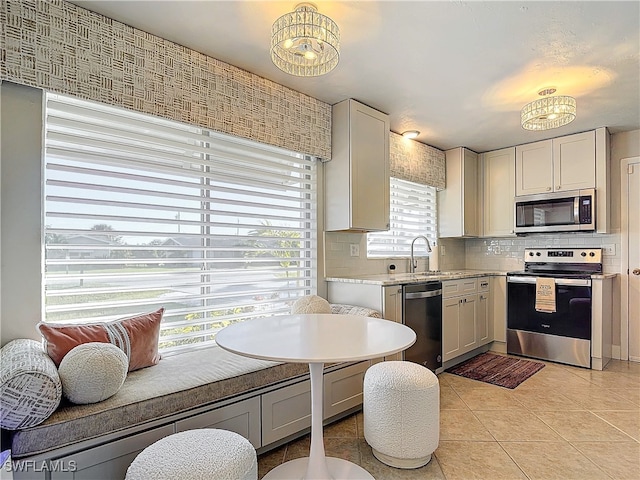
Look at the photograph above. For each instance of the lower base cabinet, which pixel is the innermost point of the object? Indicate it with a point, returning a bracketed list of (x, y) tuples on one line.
[(343, 389), (263, 419), (466, 316), (106, 461), (242, 417), (286, 411)]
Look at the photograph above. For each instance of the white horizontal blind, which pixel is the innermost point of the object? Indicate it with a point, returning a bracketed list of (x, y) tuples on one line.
[(143, 213), (413, 212)]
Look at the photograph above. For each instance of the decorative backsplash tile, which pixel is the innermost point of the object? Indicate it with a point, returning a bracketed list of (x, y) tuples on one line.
[(63, 48), (507, 254), (416, 162)]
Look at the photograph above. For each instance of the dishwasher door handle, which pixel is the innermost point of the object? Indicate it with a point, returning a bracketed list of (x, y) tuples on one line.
[(433, 293)]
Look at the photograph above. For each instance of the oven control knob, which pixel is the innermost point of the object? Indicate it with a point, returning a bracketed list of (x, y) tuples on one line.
[(592, 254), (584, 254), (531, 254), (538, 254)]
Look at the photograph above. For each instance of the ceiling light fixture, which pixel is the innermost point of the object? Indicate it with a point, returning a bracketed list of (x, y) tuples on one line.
[(304, 42), (549, 111), (410, 134)]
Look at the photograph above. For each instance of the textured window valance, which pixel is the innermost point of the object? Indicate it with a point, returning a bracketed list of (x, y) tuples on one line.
[(416, 162), (63, 48)]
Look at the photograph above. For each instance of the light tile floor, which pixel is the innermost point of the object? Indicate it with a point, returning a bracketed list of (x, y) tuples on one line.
[(563, 423)]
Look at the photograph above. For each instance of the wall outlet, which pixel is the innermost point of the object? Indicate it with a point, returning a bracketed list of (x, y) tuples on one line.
[(609, 249), (354, 249), (443, 250)]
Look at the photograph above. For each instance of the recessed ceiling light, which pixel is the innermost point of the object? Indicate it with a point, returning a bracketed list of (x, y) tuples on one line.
[(410, 134)]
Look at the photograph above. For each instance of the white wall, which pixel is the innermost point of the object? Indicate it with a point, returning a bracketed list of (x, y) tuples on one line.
[(21, 211)]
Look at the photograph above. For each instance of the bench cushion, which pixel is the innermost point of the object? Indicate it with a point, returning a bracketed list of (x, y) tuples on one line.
[(178, 383)]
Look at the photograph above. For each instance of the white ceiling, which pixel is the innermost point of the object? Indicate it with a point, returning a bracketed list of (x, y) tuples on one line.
[(457, 71)]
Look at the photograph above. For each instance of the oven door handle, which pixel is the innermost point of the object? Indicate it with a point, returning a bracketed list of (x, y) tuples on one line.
[(572, 282)]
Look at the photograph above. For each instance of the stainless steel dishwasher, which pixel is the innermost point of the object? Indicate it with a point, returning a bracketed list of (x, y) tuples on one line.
[(422, 312)]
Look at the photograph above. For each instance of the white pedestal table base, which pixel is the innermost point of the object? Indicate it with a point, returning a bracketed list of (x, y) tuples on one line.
[(339, 469)]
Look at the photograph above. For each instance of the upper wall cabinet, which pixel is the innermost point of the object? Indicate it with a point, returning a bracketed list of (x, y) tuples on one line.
[(497, 187), (357, 177), (560, 164), (458, 202)]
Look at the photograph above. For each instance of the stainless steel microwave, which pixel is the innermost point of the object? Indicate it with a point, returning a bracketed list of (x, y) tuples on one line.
[(556, 212)]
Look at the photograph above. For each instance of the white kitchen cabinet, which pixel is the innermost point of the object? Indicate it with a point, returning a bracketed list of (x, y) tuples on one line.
[(459, 305), (343, 389), (242, 417), (105, 461), (385, 299), (574, 162), (357, 177), (498, 185), (466, 316), (499, 313), (484, 323), (534, 168), (450, 328), (556, 165), (459, 326), (458, 202), (285, 411), (392, 310)]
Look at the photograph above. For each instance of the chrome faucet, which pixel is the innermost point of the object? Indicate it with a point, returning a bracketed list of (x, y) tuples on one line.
[(414, 263)]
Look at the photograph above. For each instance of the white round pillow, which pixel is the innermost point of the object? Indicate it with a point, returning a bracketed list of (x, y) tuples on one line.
[(311, 304), (92, 372)]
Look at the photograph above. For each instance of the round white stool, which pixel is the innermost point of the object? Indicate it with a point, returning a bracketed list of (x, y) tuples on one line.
[(205, 454), (401, 413)]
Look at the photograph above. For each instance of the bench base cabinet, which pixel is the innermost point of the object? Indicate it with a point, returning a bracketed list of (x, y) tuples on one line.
[(264, 418), (286, 411), (106, 461), (466, 316), (242, 417)]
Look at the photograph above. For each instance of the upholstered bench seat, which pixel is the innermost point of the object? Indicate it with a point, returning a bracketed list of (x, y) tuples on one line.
[(178, 383)]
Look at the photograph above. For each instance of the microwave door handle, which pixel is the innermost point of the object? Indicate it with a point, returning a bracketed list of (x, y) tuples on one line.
[(576, 210)]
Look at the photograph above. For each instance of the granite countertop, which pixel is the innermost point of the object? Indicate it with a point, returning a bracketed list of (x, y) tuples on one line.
[(406, 278)]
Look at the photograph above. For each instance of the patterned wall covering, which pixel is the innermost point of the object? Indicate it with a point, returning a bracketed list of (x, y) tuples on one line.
[(63, 48), (416, 162)]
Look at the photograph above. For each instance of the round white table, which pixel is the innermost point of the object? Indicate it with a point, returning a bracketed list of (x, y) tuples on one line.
[(316, 339)]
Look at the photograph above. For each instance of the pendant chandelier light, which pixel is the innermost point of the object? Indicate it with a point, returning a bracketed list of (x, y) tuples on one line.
[(304, 42), (549, 111)]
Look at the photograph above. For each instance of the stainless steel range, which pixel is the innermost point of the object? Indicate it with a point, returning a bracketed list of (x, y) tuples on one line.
[(549, 305)]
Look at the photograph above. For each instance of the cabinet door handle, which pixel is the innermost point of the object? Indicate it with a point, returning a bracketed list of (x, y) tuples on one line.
[(548, 189), (559, 187), (636, 271)]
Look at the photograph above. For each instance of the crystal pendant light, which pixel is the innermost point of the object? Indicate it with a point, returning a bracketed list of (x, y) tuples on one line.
[(304, 42), (549, 111)]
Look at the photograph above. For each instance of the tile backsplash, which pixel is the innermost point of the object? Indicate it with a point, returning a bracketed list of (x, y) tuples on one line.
[(507, 254), (499, 254)]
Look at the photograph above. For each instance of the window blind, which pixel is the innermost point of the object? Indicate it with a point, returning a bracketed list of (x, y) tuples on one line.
[(142, 212), (413, 212)]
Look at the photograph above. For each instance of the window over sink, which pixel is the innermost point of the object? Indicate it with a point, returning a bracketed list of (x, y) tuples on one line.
[(413, 212)]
